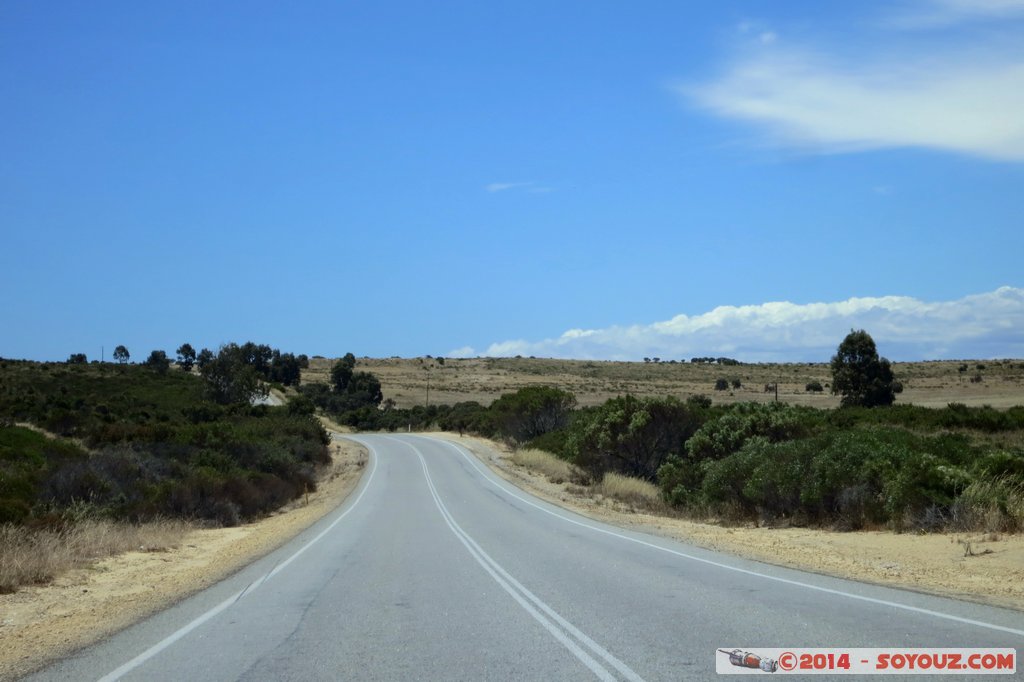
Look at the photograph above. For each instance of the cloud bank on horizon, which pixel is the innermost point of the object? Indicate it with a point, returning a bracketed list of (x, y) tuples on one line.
[(981, 326)]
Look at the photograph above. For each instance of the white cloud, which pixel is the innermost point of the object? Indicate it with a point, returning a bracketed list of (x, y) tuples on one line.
[(967, 104), (979, 326)]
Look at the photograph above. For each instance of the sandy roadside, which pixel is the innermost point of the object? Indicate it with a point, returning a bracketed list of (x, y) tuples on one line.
[(935, 563), (41, 624)]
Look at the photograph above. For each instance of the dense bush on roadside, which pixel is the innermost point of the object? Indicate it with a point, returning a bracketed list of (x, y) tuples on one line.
[(531, 412), (157, 446), (850, 478), (630, 435)]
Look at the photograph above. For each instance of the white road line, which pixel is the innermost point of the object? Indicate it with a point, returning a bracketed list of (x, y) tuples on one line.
[(518, 591), (249, 589), (796, 583)]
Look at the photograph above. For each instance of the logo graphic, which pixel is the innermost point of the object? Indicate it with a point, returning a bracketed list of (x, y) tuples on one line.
[(745, 659)]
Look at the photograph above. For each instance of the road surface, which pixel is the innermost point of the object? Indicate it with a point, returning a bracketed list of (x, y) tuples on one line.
[(436, 569)]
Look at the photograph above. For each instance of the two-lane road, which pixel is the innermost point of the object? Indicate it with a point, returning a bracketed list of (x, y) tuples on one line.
[(436, 569)]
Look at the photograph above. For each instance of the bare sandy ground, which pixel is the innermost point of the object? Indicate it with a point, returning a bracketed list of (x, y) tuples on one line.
[(986, 568), (41, 624)]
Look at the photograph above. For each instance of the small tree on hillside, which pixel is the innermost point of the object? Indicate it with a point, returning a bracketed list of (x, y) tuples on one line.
[(860, 375), (158, 362), (186, 356), (121, 354), (205, 356)]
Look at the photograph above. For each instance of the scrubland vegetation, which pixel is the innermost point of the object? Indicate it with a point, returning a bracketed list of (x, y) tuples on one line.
[(868, 464), (138, 444), (97, 443), (84, 446)]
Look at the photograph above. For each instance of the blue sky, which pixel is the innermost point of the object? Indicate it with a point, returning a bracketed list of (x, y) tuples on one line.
[(578, 179)]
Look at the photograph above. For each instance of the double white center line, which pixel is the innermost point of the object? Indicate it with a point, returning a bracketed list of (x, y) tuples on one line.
[(562, 630)]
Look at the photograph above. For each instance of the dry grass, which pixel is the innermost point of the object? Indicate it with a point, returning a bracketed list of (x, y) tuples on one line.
[(556, 470), (931, 384), (634, 491), (992, 505), (37, 556)]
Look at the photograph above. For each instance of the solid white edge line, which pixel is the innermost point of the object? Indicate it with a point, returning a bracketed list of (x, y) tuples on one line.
[(196, 622), (796, 583)]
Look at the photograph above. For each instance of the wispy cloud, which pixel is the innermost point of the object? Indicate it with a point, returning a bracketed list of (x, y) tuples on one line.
[(928, 14), (979, 326), (963, 98), (505, 186), (802, 101), (529, 187)]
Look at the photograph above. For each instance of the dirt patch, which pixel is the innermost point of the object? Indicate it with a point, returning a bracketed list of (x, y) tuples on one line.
[(986, 568), (42, 624)]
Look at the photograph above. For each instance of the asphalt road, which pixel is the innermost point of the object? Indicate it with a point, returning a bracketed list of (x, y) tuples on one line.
[(436, 569)]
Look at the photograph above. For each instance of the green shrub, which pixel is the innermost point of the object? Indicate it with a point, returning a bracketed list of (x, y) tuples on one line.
[(630, 435)]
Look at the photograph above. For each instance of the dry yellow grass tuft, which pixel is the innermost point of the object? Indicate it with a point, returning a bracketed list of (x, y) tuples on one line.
[(31, 557), (557, 470), (635, 491), (993, 505)]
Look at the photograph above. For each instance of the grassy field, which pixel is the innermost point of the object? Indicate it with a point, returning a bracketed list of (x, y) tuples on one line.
[(929, 384)]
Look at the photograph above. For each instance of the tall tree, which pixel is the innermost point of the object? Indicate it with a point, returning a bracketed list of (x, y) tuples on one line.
[(230, 378), (285, 369), (341, 372), (862, 377)]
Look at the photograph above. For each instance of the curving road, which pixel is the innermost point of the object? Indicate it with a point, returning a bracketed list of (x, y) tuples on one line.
[(436, 569)]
